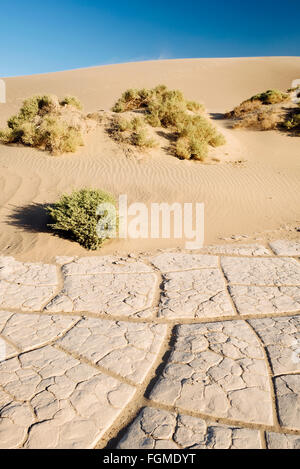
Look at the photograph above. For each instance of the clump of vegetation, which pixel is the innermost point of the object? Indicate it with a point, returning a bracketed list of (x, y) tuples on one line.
[(292, 121), (160, 104), (77, 217), (71, 101), (245, 107), (132, 131), (271, 97), (261, 120), (256, 102), (194, 136), (265, 111), (295, 88), (193, 132), (134, 99), (194, 106), (46, 123)]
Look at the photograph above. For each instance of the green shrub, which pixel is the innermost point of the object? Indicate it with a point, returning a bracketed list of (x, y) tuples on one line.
[(262, 111), (188, 148), (140, 139), (71, 101), (194, 106), (75, 216), (131, 131), (168, 108), (158, 102), (57, 136), (44, 123), (133, 99), (270, 97), (195, 134), (292, 121), (255, 103), (124, 125)]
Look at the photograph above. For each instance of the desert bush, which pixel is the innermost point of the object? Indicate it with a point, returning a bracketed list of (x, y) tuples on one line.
[(256, 102), (45, 123), (132, 131), (155, 101), (75, 216), (292, 121), (195, 135), (194, 106), (261, 120), (140, 139), (133, 99), (263, 111), (166, 108), (191, 148), (270, 97), (57, 136), (71, 101), (244, 108), (291, 90)]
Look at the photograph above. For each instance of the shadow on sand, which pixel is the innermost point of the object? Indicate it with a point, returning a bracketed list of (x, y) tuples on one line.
[(32, 217), (217, 116)]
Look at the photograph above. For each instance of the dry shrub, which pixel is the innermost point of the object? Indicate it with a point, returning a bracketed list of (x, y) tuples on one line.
[(71, 101), (192, 131), (131, 131), (292, 121), (244, 108), (271, 97), (195, 135), (261, 120), (263, 111), (46, 123), (160, 104), (135, 99), (140, 139)]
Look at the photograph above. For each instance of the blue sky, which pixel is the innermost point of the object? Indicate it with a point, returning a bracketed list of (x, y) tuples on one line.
[(44, 36)]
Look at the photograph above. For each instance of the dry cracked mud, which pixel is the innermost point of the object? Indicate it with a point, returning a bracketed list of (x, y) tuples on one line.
[(178, 350)]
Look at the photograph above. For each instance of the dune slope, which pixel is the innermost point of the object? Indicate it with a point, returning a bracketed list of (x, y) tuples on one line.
[(255, 189)]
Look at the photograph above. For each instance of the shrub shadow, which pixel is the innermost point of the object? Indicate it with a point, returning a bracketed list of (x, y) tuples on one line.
[(217, 115), (32, 217)]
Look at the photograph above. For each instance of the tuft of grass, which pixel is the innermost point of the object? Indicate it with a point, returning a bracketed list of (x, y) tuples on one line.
[(75, 216), (45, 122)]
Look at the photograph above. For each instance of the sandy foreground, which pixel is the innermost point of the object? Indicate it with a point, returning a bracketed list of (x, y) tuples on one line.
[(255, 190)]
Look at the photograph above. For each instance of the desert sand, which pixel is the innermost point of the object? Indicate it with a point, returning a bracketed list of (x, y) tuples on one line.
[(254, 190)]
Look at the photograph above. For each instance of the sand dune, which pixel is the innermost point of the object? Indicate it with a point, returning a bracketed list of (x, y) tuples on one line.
[(261, 193)]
